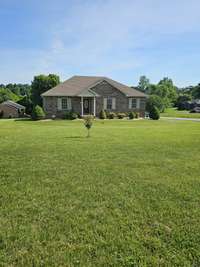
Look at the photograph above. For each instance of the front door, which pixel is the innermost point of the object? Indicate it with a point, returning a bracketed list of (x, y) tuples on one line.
[(86, 106)]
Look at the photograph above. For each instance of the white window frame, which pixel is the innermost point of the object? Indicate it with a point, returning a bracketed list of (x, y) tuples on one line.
[(61, 106), (64, 106), (134, 103), (109, 105), (142, 103)]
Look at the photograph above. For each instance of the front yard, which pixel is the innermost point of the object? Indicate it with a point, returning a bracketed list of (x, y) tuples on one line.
[(127, 196)]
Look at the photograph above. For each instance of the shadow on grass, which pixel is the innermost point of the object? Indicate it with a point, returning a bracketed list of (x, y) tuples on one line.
[(75, 137), (23, 119)]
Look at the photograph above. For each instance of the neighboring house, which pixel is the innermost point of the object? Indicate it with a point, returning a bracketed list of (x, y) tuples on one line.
[(10, 109), (89, 95)]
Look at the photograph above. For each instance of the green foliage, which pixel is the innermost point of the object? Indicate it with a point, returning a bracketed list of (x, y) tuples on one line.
[(181, 100), (143, 84), (121, 115), (131, 115), (154, 100), (111, 115), (70, 115), (18, 89), (37, 113), (102, 115), (6, 94), (88, 121), (41, 84), (27, 103), (154, 113), (196, 92), (137, 115)]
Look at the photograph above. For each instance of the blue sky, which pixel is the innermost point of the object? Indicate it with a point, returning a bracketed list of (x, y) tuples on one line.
[(115, 38)]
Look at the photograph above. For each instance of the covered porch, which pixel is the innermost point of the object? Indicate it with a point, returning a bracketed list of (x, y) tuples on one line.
[(88, 103)]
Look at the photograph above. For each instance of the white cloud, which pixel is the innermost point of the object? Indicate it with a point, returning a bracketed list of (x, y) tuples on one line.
[(108, 37)]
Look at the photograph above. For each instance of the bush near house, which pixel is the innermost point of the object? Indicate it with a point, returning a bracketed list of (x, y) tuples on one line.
[(111, 115), (38, 113), (70, 115), (154, 113), (121, 115), (102, 115), (131, 115), (137, 115)]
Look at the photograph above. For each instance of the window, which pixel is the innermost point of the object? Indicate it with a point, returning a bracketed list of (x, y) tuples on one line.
[(134, 103), (142, 103), (64, 103), (109, 103)]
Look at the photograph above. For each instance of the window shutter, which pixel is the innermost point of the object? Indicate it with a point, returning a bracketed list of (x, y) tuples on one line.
[(59, 103), (105, 103), (113, 103), (138, 103), (130, 103), (69, 103)]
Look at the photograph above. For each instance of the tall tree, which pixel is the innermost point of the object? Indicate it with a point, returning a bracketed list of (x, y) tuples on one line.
[(41, 84), (196, 91), (143, 84)]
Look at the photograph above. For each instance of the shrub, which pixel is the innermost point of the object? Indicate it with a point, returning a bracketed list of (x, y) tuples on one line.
[(74, 116), (66, 115), (107, 113), (154, 113), (88, 121), (102, 115), (37, 113), (121, 115), (155, 100), (111, 115), (131, 115), (1, 114), (70, 115), (137, 115)]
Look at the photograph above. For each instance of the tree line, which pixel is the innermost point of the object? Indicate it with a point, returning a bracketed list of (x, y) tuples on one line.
[(164, 94)]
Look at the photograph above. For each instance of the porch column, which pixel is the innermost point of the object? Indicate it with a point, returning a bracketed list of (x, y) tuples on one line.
[(81, 106), (94, 106)]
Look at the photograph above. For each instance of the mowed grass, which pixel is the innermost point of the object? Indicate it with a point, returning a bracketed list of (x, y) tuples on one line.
[(127, 196), (173, 112)]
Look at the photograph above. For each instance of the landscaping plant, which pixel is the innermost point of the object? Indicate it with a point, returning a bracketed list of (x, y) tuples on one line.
[(88, 121), (37, 113), (102, 114), (154, 113), (131, 115)]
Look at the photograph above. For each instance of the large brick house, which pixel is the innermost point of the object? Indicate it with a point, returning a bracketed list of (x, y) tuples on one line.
[(89, 95)]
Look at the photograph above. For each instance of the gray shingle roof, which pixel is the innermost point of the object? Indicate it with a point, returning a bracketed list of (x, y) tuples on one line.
[(13, 104), (77, 84)]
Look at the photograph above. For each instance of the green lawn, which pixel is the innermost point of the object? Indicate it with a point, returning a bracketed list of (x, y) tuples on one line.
[(127, 196), (173, 112)]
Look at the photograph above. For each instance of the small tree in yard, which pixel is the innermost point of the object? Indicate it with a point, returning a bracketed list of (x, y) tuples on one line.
[(154, 113), (88, 121), (38, 113)]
